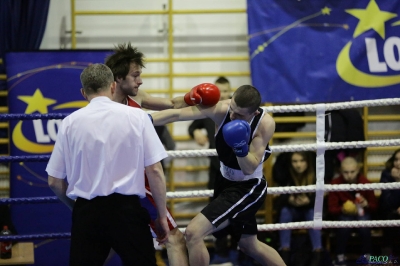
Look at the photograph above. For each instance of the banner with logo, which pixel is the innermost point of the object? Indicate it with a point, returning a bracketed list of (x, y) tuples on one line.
[(42, 83), (324, 51)]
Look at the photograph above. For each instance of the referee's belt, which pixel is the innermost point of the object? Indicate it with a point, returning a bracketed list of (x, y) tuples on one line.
[(238, 175)]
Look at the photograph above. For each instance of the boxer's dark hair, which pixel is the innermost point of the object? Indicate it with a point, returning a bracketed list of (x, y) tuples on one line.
[(120, 61), (247, 96)]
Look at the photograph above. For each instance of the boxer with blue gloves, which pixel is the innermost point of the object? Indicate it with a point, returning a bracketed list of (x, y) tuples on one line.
[(243, 131)]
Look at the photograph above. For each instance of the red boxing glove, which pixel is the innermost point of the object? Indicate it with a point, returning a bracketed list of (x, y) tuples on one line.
[(206, 94)]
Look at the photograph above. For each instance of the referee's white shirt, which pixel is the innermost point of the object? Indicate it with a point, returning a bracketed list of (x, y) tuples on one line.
[(103, 149)]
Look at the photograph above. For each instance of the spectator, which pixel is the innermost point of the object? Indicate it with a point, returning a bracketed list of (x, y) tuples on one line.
[(340, 126), (298, 207), (342, 205), (389, 202)]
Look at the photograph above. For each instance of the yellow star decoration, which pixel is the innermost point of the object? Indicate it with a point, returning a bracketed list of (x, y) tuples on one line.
[(371, 18), (326, 11), (37, 102)]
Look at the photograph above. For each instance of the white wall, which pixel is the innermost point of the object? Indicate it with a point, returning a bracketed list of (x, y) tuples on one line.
[(195, 35)]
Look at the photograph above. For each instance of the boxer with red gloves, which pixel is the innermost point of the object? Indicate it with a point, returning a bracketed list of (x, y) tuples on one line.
[(243, 132), (128, 91), (206, 94)]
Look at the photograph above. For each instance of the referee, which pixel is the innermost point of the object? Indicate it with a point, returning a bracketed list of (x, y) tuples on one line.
[(97, 169)]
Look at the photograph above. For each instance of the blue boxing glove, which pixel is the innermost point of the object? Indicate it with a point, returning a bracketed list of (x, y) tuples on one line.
[(237, 134)]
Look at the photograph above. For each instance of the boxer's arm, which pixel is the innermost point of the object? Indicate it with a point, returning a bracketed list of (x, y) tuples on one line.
[(154, 103), (216, 113), (249, 163), (155, 176), (174, 115), (179, 102), (158, 103)]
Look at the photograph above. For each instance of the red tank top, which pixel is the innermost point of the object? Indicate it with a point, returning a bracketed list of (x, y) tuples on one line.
[(131, 102)]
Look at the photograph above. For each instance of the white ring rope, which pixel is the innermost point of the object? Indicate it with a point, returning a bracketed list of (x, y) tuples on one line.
[(293, 189), (320, 147), (325, 224), (296, 147), (329, 224), (332, 106)]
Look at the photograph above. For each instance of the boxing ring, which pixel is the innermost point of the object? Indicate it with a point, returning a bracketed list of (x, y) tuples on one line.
[(319, 188)]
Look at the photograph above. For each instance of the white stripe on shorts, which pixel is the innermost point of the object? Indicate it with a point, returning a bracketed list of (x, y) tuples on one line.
[(248, 206), (240, 201)]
